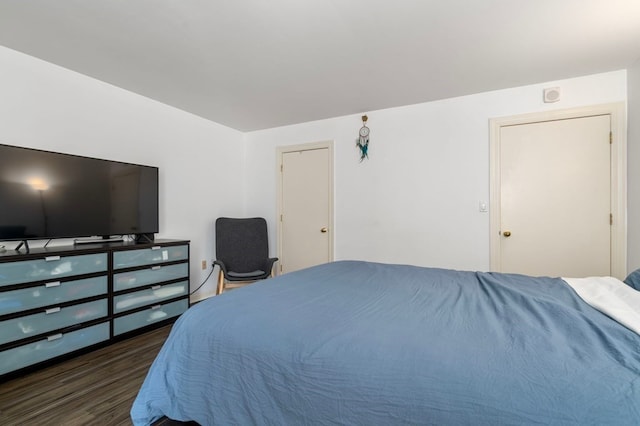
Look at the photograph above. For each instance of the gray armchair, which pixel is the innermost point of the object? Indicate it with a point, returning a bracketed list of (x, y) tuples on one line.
[(242, 251)]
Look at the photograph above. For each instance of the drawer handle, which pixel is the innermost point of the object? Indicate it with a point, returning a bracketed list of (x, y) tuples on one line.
[(156, 287), (52, 284), (156, 307), (54, 337), (156, 247), (155, 268), (51, 258), (52, 310)]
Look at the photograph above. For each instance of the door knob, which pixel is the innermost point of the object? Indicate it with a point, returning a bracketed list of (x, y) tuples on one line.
[(507, 233), (323, 229)]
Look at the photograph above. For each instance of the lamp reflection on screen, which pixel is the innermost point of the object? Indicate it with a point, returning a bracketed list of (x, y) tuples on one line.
[(38, 184), (41, 185)]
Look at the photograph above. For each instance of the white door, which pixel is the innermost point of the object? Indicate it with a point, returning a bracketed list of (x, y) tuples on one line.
[(306, 192), (555, 197)]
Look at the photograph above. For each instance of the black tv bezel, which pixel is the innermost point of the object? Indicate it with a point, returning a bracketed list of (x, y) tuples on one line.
[(148, 234)]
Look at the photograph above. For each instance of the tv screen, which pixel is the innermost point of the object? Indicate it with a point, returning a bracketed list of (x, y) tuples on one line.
[(52, 195)]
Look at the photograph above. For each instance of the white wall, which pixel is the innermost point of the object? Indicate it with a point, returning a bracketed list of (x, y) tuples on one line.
[(416, 199), (633, 171), (201, 162)]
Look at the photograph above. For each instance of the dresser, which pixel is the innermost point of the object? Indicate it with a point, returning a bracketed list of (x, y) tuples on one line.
[(58, 302)]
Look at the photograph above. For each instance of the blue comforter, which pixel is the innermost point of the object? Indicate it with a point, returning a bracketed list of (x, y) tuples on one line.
[(357, 343)]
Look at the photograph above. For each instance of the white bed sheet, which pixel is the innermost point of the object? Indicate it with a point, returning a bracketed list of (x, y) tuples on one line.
[(610, 296)]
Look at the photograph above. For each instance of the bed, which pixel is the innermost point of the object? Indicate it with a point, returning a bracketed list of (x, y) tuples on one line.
[(360, 343)]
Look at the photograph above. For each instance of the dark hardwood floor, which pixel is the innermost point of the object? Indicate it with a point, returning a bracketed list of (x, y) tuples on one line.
[(97, 388)]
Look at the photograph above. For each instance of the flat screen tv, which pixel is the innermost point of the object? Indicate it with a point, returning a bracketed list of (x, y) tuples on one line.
[(46, 195)]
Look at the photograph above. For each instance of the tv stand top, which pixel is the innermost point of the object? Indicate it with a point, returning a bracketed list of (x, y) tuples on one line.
[(71, 249)]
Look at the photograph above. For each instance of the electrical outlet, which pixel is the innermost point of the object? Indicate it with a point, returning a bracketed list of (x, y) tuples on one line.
[(204, 264)]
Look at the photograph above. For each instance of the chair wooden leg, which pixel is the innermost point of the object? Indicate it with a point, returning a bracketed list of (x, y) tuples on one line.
[(220, 288)]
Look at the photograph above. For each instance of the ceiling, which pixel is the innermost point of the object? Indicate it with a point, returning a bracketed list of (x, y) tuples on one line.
[(256, 64)]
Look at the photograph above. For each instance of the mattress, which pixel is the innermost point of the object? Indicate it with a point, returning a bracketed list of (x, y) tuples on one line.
[(360, 343)]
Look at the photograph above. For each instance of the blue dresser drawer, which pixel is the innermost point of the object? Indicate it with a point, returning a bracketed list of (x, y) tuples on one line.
[(153, 275), (53, 346), (152, 315), (153, 295), (51, 267), (149, 256), (51, 293), (51, 319)]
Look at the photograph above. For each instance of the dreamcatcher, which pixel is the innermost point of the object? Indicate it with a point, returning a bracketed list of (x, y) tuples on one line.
[(363, 139)]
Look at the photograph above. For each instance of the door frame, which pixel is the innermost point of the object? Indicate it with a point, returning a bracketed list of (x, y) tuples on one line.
[(618, 176), (280, 151)]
